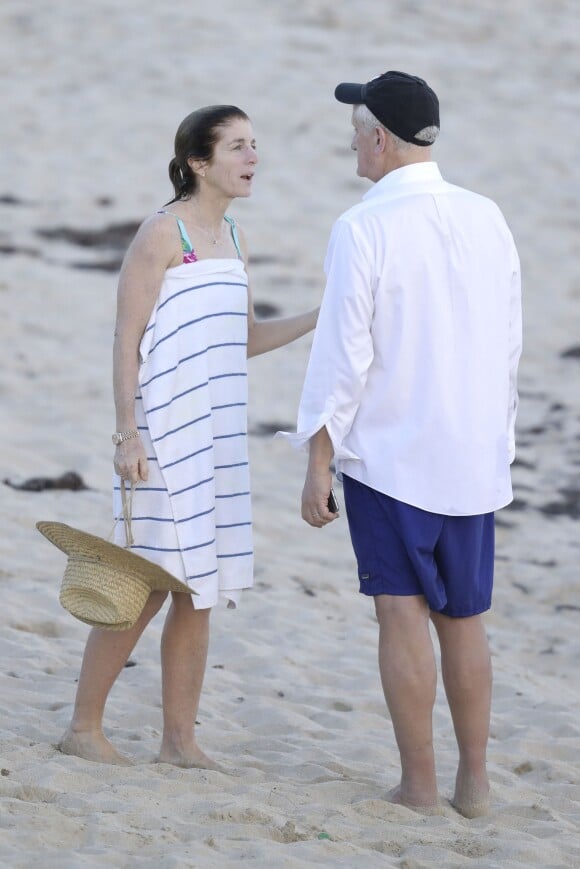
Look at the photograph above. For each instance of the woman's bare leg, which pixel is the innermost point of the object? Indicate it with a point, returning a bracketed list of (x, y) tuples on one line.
[(106, 653), (183, 659)]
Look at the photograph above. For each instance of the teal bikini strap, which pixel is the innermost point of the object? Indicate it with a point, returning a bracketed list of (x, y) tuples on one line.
[(235, 237), (185, 242)]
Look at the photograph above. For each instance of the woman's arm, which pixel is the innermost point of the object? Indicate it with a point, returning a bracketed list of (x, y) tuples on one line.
[(152, 251), (269, 334)]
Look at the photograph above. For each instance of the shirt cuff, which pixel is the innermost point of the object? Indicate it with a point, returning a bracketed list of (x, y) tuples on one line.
[(309, 426), (511, 450)]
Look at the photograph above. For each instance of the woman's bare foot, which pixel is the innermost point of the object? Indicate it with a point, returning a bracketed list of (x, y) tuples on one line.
[(471, 798), (429, 808), (471, 807), (91, 745)]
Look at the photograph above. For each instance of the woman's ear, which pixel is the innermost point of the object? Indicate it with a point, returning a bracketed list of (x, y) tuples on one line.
[(197, 166)]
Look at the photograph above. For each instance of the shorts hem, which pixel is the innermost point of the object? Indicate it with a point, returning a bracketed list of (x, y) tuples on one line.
[(463, 615), (369, 593)]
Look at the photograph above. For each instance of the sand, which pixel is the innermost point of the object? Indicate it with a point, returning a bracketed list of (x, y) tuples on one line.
[(292, 707)]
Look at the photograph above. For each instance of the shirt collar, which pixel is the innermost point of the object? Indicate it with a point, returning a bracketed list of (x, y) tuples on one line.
[(411, 174)]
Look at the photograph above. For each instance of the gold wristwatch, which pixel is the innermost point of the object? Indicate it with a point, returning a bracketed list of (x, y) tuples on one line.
[(120, 436)]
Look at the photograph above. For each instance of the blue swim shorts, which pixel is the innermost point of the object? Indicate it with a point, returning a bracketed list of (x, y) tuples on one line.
[(402, 550)]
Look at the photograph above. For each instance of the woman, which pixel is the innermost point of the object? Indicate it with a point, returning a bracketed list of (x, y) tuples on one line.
[(185, 326)]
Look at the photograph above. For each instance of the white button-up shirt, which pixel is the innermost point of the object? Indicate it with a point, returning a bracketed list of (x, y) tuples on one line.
[(414, 359)]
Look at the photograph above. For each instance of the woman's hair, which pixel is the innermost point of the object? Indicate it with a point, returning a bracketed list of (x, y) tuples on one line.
[(196, 137)]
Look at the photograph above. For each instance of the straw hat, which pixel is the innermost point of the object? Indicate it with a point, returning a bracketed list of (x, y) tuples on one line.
[(105, 585)]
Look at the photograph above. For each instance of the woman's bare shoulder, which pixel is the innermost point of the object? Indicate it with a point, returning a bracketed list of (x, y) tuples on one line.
[(160, 224), (157, 233)]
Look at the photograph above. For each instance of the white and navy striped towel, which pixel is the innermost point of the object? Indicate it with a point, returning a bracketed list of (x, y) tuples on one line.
[(193, 514)]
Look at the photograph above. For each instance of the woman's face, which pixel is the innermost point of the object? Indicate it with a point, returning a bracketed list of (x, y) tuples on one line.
[(232, 167)]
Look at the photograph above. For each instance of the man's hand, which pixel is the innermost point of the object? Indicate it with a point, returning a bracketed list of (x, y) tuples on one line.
[(315, 499)]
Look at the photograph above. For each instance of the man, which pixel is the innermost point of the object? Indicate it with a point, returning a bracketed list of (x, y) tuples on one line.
[(411, 388)]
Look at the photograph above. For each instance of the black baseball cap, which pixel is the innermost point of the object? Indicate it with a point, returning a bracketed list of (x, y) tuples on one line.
[(404, 104)]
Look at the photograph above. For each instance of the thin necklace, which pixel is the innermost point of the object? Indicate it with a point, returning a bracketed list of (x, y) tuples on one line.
[(214, 240)]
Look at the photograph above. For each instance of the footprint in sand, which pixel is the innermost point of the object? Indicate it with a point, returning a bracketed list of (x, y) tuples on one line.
[(27, 793), (42, 629), (339, 706)]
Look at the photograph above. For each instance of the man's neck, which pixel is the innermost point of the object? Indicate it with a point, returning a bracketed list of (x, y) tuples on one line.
[(408, 158)]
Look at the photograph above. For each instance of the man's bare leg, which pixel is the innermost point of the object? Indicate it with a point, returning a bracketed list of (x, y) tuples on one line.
[(409, 678), (467, 676), (106, 653), (183, 658)]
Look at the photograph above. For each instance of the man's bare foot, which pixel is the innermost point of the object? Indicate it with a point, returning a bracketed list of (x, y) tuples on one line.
[(193, 758), (91, 745), (471, 798), (430, 808)]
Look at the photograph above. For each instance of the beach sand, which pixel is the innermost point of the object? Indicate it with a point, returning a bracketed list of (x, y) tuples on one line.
[(292, 707)]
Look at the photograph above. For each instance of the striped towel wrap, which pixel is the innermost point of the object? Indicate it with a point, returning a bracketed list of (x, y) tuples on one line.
[(193, 515)]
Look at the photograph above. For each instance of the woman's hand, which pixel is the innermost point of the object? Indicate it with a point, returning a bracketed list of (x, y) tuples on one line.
[(130, 460)]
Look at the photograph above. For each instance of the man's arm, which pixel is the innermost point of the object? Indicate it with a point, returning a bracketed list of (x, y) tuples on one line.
[(341, 354), (342, 349), (318, 481), (515, 349)]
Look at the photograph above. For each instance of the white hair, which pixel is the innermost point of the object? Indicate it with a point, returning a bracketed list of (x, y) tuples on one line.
[(363, 115), (427, 134)]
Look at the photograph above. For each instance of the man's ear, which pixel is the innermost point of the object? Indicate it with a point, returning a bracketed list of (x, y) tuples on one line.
[(380, 140)]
